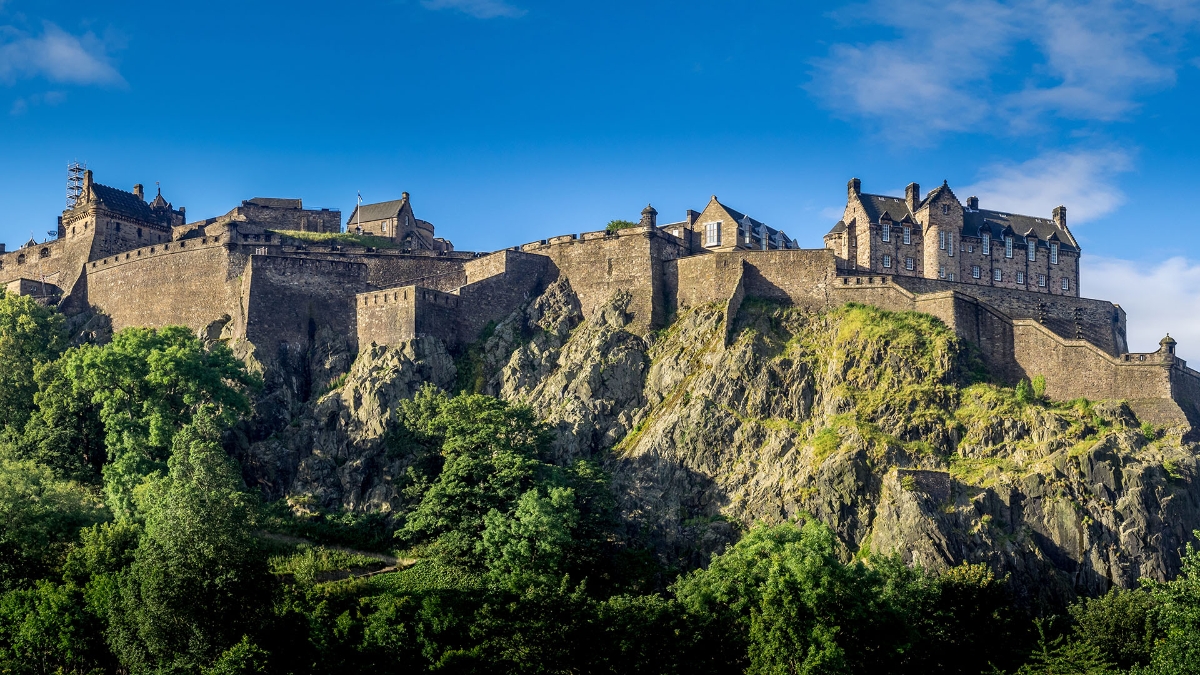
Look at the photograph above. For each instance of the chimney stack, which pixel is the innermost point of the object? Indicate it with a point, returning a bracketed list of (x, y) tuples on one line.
[(1060, 217), (139, 192), (973, 203), (691, 217), (854, 187), (649, 217), (404, 195), (912, 195), (87, 187)]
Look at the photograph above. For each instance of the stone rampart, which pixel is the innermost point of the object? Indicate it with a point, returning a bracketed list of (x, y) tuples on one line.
[(190, 283), (497, 285)]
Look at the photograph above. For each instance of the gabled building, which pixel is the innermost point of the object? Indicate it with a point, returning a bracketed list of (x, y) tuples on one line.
[(395, 220), (938, 237), (721, 228)]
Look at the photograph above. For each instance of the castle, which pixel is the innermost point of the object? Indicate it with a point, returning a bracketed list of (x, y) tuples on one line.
[(283, 283)]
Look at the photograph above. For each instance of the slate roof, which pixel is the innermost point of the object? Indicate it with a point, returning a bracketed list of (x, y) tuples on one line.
[(125, 203), (275, 203), (995, 222), (877, 205), (378, 211), (838, 229)]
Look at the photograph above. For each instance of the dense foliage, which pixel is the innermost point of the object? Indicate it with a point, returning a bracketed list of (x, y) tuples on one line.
[(131, 545)]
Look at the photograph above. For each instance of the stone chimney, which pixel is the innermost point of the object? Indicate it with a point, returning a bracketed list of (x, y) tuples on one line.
[(1060, 217), (854, 187), (139, 192), (691, 217), (973, 203), (912, 195), (87, 187), (62, 229), (404, 196), (649, 217)]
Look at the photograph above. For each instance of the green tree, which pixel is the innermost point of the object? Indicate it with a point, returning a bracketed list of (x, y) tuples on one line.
[(614, 225), (64, 432), (198, 581), (144, 386), (531, 546), (488, 452), (30, 335), (1177, 616), (48, 629), (1120, 623), (41, 515), (795, 607), (1062, 656)]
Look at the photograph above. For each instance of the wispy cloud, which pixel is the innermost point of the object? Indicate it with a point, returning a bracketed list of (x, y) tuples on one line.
[(480, 9), (55, 55), (1158, 299), (953, 65), (1084, 180)]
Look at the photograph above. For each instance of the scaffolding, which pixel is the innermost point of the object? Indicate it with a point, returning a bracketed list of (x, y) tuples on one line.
[(75, 183)]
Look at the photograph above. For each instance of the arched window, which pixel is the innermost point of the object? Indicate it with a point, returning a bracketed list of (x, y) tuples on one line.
[(44, 253), (21, 259)]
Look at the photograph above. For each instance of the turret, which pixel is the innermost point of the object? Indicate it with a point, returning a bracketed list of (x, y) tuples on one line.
[(649, 217), (854, 188)]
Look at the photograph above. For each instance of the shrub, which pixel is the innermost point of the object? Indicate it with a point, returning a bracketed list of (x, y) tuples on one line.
[(614, 225)]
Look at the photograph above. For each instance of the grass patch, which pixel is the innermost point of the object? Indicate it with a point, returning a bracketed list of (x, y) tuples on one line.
[(982, 472), (424, 576), (313, 564), (341, 239)]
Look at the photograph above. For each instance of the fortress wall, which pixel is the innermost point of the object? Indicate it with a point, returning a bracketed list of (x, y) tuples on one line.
[(1098, 321), (800, 276), (702, 279), (498, 284), (291, 299), (398, 314), (178, 283), (599, 264), (387, 270), (1075, 368)]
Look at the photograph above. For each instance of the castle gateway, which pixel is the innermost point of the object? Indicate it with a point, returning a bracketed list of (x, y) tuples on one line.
[(287, 289)]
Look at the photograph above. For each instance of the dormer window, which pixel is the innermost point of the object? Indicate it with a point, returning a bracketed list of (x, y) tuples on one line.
[(1008, 246), (907, 234), (885, 231), (1031, 249), (987, 243), (712, 234), (1054, 253)]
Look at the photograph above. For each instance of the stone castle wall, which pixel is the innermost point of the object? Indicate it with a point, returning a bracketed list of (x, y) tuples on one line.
[(291, 300), (398, 314)]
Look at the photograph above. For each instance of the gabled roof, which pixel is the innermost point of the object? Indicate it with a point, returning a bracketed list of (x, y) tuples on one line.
[(125, 203), (837, 229), (378, 211)]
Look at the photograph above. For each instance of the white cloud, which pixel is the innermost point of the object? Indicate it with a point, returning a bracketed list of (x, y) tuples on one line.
[(480, 9), (50, 98), (1158, 299), (950, 65), (1083, 180), (55, 55)]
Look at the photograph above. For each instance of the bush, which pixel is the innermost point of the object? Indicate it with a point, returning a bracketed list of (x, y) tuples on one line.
[(614, 225)]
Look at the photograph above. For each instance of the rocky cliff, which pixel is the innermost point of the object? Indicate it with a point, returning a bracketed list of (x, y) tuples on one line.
[(880, 424)]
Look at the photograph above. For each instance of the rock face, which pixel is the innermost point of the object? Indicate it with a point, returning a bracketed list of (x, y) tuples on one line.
[(862, 418)]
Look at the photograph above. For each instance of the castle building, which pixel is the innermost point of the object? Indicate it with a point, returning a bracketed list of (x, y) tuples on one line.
[(302, 306), (395, 220), (721, 228), (937, 237)]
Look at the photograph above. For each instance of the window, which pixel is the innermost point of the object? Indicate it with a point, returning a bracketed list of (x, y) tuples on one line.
[(907, 234), (970, 248), (675, 232), (908, 263), (950, 243), (385, 227), (942, 271), (1042, 280), (1020, 277), (1031, 249), (712, 234), (139, 233), (997, 276), (945, 209), (885, 231), (1008, 246), (975, 271), (887, 261), (952, 276), (1054, 253), (1066, 285), (987, 244), (942, 240)]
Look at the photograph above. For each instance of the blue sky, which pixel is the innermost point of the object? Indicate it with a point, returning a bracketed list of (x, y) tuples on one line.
[(514, 120)]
